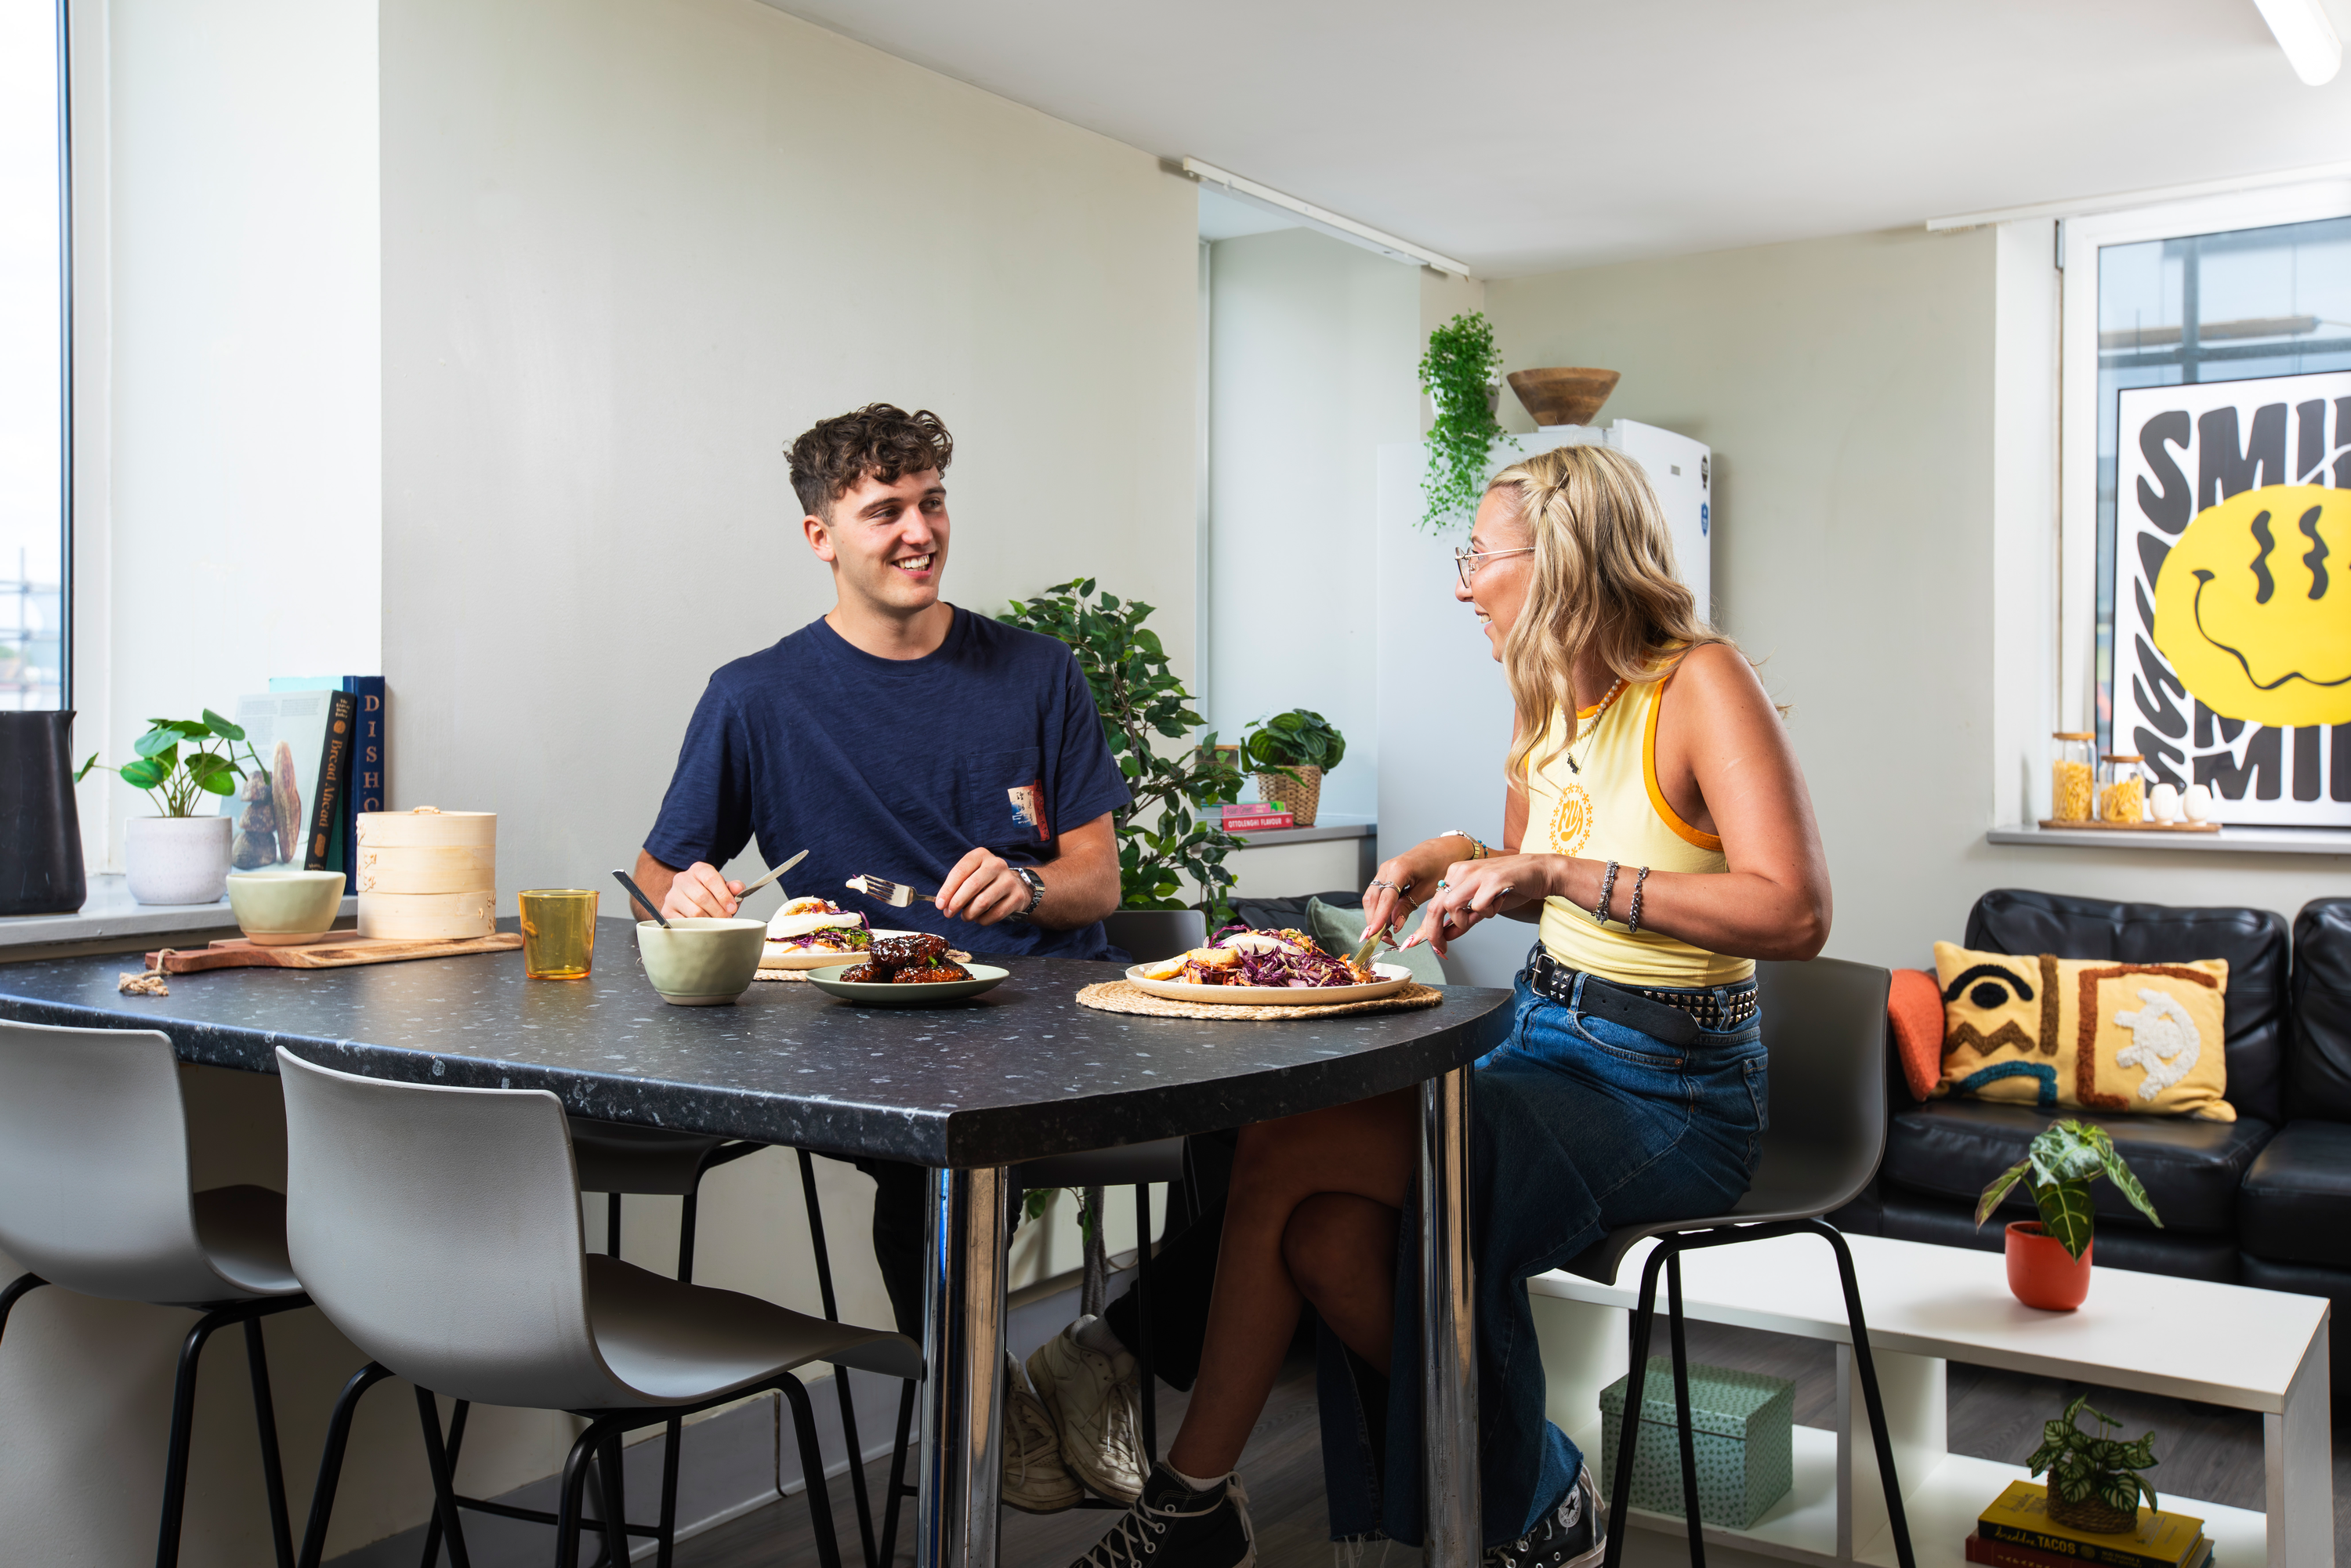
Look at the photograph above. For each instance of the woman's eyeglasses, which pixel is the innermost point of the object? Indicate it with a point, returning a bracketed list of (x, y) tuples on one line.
[(1468, 561)]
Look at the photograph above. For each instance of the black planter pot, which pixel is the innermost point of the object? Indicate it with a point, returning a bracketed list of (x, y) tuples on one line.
[(40, 831)]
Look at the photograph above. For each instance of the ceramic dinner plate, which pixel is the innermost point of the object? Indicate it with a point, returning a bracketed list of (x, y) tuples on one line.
[(1392, 977), (817, 960), (931, 994)]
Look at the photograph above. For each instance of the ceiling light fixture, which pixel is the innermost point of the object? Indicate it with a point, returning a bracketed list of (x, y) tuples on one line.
[(2310, 45), (1316, 217)]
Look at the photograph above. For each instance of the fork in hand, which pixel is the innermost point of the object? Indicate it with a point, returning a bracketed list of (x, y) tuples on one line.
[(896, 895)]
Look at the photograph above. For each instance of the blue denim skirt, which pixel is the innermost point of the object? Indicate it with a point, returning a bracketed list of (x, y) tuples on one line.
[(1580, 1126)]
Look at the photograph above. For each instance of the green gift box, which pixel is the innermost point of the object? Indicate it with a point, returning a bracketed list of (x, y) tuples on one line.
[(1741, 1433)]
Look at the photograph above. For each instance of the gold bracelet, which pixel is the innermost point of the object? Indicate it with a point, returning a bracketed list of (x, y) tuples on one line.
[(1477, 850)]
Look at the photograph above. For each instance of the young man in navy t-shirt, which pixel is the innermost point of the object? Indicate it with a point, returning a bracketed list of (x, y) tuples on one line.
[(902, 737)]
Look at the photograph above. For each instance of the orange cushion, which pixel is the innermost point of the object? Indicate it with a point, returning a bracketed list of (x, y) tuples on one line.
[(1914, 1009)]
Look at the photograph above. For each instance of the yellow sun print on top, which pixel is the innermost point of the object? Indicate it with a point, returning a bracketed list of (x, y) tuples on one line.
[(2252, 607)]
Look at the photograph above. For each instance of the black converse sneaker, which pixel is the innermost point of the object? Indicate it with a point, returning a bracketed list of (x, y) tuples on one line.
[(1568, 1536), (1172, 1526)]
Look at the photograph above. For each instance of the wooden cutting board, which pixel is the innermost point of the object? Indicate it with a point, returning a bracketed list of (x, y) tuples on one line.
[(330, 953)]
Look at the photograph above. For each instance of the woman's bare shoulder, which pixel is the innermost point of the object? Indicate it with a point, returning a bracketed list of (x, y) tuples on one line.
[(1719, 673)]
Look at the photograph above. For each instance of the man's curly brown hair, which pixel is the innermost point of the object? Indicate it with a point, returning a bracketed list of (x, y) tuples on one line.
[(880, 440)]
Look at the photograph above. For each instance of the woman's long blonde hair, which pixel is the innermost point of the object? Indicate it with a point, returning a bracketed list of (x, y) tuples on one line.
[(1603, 578)]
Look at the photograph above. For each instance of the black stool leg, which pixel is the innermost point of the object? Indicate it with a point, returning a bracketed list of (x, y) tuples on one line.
[(576, 1466), (1620, 1484), (16, 1292), (457, 1443), (175, 1460), (612, 1224), (668, 1538), (828, 1546), (1866, 1369), (898, 1487), (444, 1489), (1682, 1412), (686, 1217), (1144, 1371), (264, 1420), (839, 1374), (331, 1461), (616, 1504)]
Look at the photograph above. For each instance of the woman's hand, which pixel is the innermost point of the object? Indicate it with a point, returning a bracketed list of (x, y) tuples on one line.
[(1472, 891), (1403, 884)]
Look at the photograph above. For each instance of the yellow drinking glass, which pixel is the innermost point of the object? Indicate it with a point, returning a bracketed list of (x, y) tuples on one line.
[(558, 932)]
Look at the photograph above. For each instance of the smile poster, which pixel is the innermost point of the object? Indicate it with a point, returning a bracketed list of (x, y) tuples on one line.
[(2233, 593)]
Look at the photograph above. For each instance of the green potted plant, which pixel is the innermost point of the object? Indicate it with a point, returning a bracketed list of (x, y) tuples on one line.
[(2093, 1480), (1162, 840), (179, 855), (1459, 373), (1291, 752), (2049, 1260)]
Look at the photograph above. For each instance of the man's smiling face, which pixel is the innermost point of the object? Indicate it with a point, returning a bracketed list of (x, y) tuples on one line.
[(887, 543)]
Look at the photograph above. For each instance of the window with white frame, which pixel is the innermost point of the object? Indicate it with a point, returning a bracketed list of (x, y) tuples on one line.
[(34, 384), (2206, 564)]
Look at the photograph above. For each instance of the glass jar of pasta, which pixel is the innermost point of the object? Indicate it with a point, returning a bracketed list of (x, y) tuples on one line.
[(2072, 787), (2122, 787)]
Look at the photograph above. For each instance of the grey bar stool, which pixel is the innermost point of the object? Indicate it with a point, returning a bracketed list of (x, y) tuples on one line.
[(439, 1231), (1824, 1028), (95, 1195)]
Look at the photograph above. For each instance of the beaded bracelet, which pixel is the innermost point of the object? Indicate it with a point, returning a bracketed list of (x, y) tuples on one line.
[(1477, 850), (1607, 890), (1634, 923)]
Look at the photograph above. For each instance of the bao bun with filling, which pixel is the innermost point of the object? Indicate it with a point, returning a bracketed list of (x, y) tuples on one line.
[(814, 934)]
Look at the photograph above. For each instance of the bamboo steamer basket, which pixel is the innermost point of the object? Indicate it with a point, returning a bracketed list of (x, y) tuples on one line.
[(428, 874)]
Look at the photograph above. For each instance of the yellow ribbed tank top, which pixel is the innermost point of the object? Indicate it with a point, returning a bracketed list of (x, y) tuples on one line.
[(1609, 808)]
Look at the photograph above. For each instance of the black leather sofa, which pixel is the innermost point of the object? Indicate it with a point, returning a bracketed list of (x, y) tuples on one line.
[(2264, 1200)]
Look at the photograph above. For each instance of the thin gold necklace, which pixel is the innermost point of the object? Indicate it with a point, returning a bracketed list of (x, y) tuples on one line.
[(1583, 730)]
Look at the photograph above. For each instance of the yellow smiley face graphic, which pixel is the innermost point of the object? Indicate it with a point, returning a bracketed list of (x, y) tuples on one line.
[(2253, 610)]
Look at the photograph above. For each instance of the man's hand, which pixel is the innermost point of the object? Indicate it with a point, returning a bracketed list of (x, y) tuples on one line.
[(698, 891), (983, 888)]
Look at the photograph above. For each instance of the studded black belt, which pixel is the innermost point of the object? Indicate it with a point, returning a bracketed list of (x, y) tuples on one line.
[(1675, 1016)]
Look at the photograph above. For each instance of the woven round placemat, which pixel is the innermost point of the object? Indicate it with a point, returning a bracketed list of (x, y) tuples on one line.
[(800, 974), (1122, 997)]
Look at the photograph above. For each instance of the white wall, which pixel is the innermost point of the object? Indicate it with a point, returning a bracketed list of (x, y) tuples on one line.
[(1313, 345), (1847, 388), (227, 525)]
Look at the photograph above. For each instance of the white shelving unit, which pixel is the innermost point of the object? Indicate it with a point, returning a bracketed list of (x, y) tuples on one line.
[(1924, 1305)]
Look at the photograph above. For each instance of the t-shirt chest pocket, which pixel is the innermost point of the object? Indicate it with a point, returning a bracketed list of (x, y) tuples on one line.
[(1000, 799)]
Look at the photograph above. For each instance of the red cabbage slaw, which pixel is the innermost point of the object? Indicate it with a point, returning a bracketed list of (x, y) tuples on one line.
[(1289, 968)]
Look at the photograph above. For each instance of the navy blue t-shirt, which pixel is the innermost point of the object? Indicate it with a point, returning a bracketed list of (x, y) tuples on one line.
[(898, 767)]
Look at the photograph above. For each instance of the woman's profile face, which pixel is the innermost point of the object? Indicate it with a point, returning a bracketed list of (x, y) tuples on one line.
[(1497, 585)]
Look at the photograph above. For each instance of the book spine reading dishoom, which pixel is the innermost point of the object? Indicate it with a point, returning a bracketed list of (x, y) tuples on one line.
[(334, 774)]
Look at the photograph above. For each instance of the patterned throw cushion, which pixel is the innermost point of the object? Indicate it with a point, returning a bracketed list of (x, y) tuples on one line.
[(2084, 1034)]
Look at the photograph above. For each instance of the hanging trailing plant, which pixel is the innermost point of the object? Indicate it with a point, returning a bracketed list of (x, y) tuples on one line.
[(1457, 374)]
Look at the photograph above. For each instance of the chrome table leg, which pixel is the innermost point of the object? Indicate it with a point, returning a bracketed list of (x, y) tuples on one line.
[(1448, 1370), (963, 1363)]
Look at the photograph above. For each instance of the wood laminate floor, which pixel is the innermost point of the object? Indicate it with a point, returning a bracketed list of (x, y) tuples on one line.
[(2206, 1452)]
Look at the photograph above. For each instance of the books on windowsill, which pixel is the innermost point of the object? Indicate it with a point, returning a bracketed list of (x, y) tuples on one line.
[(363, 786), (2016, 1532), (1252, 818)]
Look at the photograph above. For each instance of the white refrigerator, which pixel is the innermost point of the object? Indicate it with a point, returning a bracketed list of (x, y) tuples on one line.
[(1444, 712)]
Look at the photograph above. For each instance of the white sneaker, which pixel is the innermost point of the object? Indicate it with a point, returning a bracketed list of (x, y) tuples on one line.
[(1035, 1479), (1094, 1400)]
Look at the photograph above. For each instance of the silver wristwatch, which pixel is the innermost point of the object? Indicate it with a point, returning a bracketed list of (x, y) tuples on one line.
[(1036, 889)]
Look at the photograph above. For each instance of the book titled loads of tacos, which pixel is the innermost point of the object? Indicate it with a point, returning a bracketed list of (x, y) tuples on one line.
[(286, 811), (2019, 1517)]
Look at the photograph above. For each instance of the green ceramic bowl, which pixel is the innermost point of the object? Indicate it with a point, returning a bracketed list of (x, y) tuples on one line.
[(282, 908), (700, 963), (936, 993)]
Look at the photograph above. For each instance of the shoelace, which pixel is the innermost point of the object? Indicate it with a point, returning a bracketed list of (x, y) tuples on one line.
[(1135, 1538)]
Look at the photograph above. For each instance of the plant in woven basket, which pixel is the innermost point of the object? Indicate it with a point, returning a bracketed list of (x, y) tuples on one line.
[(2061, 1164), (1458, 373), (1162, 842), (1291, 752), (2093, 1480)]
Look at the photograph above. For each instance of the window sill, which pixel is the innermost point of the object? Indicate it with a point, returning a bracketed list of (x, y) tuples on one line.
[(2227, 841)]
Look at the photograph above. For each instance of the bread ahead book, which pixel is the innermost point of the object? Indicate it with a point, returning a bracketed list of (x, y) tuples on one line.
[(363, 787), (285, 808)]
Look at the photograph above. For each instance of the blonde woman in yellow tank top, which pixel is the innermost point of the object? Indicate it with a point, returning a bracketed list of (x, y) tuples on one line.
[(1657, 830)]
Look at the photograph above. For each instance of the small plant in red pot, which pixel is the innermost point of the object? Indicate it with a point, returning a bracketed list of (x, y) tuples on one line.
[(2049, 1260)]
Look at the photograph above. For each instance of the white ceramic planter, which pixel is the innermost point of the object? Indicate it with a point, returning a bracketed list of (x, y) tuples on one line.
[(176, 860)]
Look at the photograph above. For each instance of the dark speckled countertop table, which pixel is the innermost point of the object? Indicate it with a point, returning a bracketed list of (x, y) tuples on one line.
[(1018, 1074)]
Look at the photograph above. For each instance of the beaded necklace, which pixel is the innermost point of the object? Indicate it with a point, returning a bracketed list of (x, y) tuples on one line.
[(1583, 730)]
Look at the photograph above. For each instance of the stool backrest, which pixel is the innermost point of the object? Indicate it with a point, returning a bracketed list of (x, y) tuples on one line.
[(1824, 1026), (439, 1229), (94, 1164), (1150, 934)]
